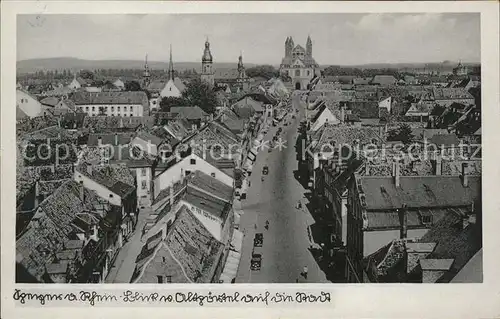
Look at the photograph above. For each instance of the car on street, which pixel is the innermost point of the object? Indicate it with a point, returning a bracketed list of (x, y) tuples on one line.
[(265, 170), (258, 240), (256, 262)]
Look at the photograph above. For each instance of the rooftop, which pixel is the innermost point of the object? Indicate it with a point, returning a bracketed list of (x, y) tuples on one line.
[(188, 245), (419, 191), (116, 177), (51, 230)]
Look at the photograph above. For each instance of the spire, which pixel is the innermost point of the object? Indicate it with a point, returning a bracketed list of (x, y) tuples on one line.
[(170, 66), (240, 61), (309, 46), (207, 55), (146, 75)]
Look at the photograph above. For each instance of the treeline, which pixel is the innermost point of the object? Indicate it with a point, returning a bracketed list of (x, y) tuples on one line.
[(101, 74), (335, 70)]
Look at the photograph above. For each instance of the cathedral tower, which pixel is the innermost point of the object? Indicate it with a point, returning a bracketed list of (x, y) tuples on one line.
[(309, 47), (207, 71)]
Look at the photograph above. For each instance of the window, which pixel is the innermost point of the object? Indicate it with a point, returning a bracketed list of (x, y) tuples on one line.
[(118, 109), (112, 109), (212, 174), (144, 184), (308, 72), (169, 279), (188, 172), (163, 259), (154, 102), (143, 171), (427, 219), (297, 72), (160, 279), (193, 161), (87, 109)]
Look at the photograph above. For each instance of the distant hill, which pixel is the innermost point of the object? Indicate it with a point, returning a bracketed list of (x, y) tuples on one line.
[(32, 65), (444, 64)]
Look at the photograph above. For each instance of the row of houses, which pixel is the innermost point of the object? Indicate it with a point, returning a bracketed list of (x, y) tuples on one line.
[(407, 214), (184, 168)]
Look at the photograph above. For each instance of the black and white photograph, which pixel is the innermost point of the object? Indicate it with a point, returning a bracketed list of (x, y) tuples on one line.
[(249, 148)]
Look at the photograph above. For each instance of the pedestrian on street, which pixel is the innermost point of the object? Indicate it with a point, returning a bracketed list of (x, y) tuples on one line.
[(305, 272)]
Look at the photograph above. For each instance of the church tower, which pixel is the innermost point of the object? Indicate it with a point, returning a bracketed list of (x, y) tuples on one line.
[(309, 47), (207, 71), (241, 68), (171, 73), (146, 76)]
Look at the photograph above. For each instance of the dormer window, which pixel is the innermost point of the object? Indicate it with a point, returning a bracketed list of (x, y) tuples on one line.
[(427, 219)]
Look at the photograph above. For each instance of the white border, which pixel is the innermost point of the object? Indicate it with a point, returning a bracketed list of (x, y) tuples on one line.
[(386, 301)]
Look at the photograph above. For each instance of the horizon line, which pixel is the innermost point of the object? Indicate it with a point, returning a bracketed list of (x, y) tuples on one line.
[(254, 63)]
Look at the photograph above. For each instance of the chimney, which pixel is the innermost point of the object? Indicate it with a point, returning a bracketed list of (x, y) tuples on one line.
[(82, 191), (439, 165), (116, 138), (367, 169), (403, 216), (397, 176), (99, 141), (465, 176), (342, 115), (381, 131), (89, 169), (59, 122)]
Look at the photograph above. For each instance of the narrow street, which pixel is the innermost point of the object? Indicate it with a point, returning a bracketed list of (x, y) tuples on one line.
[(123, 268), (286, 243)]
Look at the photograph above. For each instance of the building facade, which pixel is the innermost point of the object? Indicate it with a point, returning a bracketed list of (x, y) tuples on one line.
[(299, 64), (112, 103)]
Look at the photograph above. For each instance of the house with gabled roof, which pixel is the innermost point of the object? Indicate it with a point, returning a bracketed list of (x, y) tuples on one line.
[(115, 184), (70, 239), (383, 209), (186, 253)]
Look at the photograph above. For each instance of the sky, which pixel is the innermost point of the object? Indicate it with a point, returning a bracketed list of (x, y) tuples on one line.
[(338, 38)]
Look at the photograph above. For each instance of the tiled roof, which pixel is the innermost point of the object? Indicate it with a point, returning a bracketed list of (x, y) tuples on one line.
[(383, 79), (188, 112), (361, 81), (377, 220), (50, 101), (226, 74), (364, 109), (445, 140), (216, 207), (451, 94), (210, 185), (330, 134), (51, 229), (148, 137), (110, 138), (419, 191), (115, 177), (188, 246), (127, 97), (454, 243), (179, 128), (52, 132)]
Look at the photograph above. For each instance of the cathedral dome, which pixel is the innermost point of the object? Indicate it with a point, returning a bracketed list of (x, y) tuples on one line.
[(207, 56)]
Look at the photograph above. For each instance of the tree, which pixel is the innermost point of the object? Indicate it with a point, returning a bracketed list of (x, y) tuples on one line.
[(198, 93), (132, 86), (403, 134), (167, 102), (86, 74), (285, 77), (265, 71)]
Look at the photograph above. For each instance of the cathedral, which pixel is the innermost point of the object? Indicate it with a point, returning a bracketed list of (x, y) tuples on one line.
[(299, 64)]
